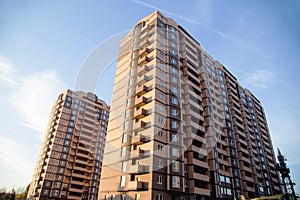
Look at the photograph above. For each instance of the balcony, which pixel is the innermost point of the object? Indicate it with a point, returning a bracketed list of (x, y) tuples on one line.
[(143, 79), (137, 185), (140, 153), (140, 113), (144, 60), (139, 139), (142, 101), (143, 90), (145, 51), (140, 125), (145, 43), (138, 169), (144, 69)]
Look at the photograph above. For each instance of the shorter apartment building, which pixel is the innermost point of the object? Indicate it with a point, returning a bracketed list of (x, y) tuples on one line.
[(70, 160)]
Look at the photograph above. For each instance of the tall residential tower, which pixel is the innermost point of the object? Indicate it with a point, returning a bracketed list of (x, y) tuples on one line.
[(69, 164), (181, 126)]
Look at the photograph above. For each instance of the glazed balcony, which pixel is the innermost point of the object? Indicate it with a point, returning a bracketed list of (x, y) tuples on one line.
[(140, 101), (139, 139), (137, 185), (145, 43), (143, 90), (138, 169)]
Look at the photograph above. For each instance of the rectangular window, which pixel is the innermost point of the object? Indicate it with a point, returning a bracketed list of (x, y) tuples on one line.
[(160, 147), (174, 124), (160, 134), (174, 100), (124, 138), (174, 137), (122, 183), (176, 181), (161, 95), (123, 168), (159, 180), (160, 120), (175, 166), (125, 126), (160, 163), (123, 151), (175, 152), (159, 197), (174, 79)]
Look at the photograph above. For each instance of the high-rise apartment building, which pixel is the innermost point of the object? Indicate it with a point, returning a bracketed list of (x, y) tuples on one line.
[(181, 126), (69, 164)]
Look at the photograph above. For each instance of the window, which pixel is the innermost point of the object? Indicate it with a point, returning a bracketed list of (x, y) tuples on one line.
[(55, 192), (160, 107), (186, 183), (174, 112), (125, 126), (171, 29), (175, 152), (159, 197), (174, 89), (129, 91), (176, 181), (161, 84), (57, 185), (137, 197), (123, 167), (124, 138), (181, 198), (123, 196), (161, 95), (173, 70), (122, 183), (130, 82), (161, 74), (174, 100), (127, 113), (123, 151), (160, 147), (174, 79), (174, 124), (160, 134), (160, 120), (175, 166), (161, 55), (128, 102), (160, 163), (161, 64), (174, 137), (159, 180), (173, 61)]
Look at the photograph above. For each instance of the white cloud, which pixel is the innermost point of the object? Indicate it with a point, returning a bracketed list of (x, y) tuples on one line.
[(7, 72), (16, 162), (260, 79), (33, 98)]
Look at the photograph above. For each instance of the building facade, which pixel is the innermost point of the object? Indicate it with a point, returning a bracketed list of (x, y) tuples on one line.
[(181, 126), (69, 164)]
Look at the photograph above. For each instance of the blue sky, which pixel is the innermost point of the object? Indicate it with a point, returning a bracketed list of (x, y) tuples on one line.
[(43, 45)]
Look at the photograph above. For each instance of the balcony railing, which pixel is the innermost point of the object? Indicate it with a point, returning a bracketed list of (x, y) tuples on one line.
[(139, 139), (142, 101), (137, 185), (142, 90), (140, 113), (138, 169)]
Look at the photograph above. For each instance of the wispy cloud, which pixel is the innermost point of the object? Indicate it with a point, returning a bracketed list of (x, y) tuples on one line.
[(33, 97), (167, 12), (7, 72), (207, 26), (260, 79)]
